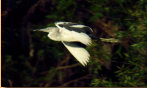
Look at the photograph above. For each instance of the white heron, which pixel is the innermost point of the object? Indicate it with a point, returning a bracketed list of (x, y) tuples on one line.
[(73, 36)]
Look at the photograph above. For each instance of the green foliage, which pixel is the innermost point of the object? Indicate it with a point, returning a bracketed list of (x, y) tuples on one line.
[(102, 82)]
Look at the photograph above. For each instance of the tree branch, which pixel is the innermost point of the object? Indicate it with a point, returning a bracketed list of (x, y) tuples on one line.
[(69, 82), (68, 66)]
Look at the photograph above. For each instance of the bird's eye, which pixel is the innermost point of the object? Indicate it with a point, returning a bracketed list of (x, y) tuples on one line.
[(61, 25)]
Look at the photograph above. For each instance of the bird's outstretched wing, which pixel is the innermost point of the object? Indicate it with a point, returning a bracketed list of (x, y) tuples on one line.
[(75, 32), (78, 52), (74, 27)]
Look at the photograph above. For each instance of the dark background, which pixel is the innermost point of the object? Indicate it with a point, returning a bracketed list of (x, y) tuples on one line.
[(32, 59)]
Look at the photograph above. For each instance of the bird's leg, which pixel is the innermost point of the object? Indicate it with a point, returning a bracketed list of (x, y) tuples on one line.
[(112, 40)]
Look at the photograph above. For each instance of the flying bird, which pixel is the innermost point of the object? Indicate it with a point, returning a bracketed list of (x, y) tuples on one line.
[(75, 37)]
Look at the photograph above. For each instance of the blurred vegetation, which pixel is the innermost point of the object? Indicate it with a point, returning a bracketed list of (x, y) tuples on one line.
[(32, 59)]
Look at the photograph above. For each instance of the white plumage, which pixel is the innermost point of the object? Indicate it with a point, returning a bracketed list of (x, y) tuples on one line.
[(79, 53), (69, 33)]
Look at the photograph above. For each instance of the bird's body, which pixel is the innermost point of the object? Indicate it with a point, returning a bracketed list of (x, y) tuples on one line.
[(61, 33), (69, 33)]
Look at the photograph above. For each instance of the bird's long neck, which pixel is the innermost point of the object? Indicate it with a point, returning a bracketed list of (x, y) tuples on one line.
[(54, 35)]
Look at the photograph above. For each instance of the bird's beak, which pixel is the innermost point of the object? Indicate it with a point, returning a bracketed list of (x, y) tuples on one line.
[(42, 30)]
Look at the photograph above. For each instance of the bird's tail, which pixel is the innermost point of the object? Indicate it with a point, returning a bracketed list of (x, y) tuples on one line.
[(94, 37)]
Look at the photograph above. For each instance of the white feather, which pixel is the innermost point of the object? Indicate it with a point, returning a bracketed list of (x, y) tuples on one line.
[(81, 26), (71, 36), (75, 25), (78, 26), (81, 37), (79, 53)]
